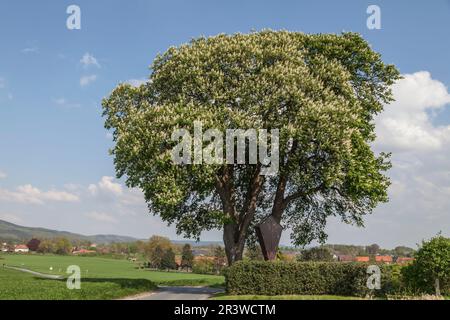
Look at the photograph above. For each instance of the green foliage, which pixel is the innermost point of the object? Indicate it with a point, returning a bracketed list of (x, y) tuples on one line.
[(302, 278), (61, 246), (253, 252), (203, 266), (430, 271), (156, 251), (168, 260), (402, 251), (46, 246), (187, 256), (373, 249), (280, 256), (316, 254), (219, 259), (321, 91), (343, 249)]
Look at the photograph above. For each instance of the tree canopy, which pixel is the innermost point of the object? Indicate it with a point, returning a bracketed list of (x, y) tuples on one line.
[(187, 256), (321, 91), (316, 254), (433, 261)]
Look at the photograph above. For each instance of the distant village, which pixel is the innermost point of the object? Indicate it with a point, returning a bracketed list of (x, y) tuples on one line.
[(161, 253)]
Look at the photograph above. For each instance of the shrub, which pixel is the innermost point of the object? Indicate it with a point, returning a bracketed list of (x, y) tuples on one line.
[(430, 271), (203, 266), (303, 278), (417, 282)]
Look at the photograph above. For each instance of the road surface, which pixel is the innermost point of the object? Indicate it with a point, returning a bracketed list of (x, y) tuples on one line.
[(178, 293)]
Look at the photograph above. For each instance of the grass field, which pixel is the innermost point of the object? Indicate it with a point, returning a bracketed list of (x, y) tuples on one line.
[(16, 285), (101, 278)]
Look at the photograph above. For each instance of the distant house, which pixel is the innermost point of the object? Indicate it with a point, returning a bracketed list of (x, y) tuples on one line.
[(83, 251), (404, 260), (21, 248), (345, 258), (203, 258), (383, 259), (4, 247), (362, 259)]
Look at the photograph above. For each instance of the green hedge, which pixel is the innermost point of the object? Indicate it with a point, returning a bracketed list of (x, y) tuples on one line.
[(303, 278)]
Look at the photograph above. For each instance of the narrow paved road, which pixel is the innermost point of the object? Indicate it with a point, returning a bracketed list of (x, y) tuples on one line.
[(179, 293)]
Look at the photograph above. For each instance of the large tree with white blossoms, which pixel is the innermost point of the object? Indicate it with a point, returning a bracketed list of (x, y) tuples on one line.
[(321, 91)]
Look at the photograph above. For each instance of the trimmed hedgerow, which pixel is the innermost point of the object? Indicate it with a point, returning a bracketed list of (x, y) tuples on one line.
[(303, 278)]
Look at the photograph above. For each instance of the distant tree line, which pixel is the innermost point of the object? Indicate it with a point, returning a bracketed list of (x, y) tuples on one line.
[(161, 253), (328, 251)]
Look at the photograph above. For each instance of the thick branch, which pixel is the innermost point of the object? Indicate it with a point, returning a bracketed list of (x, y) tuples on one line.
[(224, 186), (249, 209)]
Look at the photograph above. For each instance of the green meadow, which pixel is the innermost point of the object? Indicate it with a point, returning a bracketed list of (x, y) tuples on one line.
[(101, 278)]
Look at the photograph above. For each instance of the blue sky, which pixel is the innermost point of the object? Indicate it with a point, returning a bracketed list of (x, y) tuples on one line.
[(54, 162)]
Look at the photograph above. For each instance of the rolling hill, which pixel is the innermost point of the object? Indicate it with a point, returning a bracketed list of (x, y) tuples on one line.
[(16, 233)]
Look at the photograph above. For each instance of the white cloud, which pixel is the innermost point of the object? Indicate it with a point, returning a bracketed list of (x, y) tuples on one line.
[(2, 83), (420, 192), (2, 175), (137, 82), (32, 195), (30, 50), (86, 80), (89, 60), (106, 185), (62, 102), (406, 124), (101, 217)]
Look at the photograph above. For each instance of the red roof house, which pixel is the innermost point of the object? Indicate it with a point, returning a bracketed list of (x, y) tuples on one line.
[(21, 248), (362, 259), (384, 259), (345, 258), (83, 251)]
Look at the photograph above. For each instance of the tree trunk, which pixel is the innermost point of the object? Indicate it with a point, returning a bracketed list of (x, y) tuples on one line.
[(437, 287), (234, 247)]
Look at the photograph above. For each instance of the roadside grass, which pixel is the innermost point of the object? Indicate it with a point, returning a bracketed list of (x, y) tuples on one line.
[(23, 286), (101, 278), (224, 296)]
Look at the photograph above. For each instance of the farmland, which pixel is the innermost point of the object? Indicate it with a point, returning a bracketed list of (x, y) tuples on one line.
[(101, 278)]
